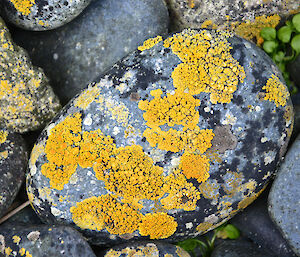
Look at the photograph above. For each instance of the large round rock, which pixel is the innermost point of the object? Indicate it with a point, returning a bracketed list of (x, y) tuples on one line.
[(42, 15), (169, 143)]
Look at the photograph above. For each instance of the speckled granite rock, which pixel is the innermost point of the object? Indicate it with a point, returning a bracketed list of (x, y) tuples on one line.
[(284, 197), (13, 163), (255, 223), (147, 249), (244, 17), (238, 248), (107, 30), (170, 142), (40, 14), (27, 102), (43, 241)]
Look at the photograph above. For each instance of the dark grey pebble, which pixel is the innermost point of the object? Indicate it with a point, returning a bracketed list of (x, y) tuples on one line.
[(284, 205), (13, 163)]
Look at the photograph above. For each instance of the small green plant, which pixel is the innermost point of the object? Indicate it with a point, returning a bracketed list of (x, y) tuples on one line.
[(206, 247), (283, 45)]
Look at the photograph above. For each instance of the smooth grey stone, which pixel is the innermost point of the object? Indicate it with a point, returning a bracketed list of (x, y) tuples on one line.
[(255, 223), (27, 101), (284, 205), (42, 15), (43, 241), (107, 30), (13, 163), (238, 248), (132, 169)]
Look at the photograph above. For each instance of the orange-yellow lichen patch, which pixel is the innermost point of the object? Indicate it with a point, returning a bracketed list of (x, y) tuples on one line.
[(179, 109), (37, 150), (139, 251), (195, 166), (251, 30), (16, 239), (198, 140), (87, 97), (207, 65), (210, 189), (209, 24), (105, 211), (149, 43), (203, 227), (181, 194), (3, 136), (8, 251), (3, 154), (157, 225), (181, 253), (22, 251), (23, 6), (133, 175), (62, 148), (276, 91), (233, 181), (94, 146)]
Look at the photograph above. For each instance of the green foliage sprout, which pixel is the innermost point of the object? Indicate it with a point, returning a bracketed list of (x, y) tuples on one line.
[(283, 45), (206, 247)]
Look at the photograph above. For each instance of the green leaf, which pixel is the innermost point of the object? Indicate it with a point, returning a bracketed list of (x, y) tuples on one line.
[(270, 46), (232, 232), (284, 34), (190, 244), (295, 43), (296, 22), (278, 57), (268, 33)]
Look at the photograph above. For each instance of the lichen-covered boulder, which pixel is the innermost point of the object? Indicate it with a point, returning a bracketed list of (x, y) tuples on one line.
[(43, 241), (42, 15), (146, 249), (246, 18), (170, 142), (106, 31), (13, 163), (27, 101)]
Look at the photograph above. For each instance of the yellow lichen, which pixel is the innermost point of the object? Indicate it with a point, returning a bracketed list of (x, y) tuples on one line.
[(87, 97), (23, 6), (251, 30), (178, 109), (276, 91), (105, 211), (3, 136), (37, 150), (203, 227), (157, 225), (16, 239), (181, 253), (62, 148), (207, 65), (181, 194), (22, 251), (3, 154), (195, 166), (149, 43)]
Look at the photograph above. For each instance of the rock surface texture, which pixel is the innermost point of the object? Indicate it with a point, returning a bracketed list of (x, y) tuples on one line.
[(43, 241), (13, 163), (284, 207), (192, 13), (237, 248), (170, 142), (40, 14), (27, 102), (147, 249), (107, 30)]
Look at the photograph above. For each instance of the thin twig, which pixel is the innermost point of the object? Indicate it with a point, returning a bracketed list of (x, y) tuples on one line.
[(13, 212)]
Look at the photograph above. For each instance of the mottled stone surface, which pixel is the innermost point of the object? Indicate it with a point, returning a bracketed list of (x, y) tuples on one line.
[(43, 241), (42, 15), (13, 163), (255, 223), (192, 13), (27, 101), (284, 207), (170, 142), (107, 30), (147, 249), (238, 248)]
